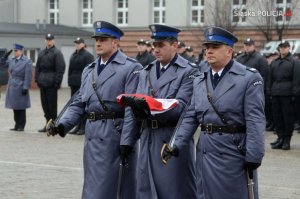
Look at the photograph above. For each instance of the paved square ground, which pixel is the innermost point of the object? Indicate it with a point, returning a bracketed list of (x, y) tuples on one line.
[(34, 166)]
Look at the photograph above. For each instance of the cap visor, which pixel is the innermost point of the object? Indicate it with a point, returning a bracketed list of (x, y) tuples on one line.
[(103, 35), (214, 42)]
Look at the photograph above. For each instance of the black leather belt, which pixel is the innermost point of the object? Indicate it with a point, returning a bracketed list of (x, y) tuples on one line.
[(210, 128), (104, 115), (155, 124)]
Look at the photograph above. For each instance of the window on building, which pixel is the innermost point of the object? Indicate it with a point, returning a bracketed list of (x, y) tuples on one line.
[(284, 11), (54, 11), (32, 54), (87, 12), (159, 11), (238, 8), (122, 12), (197, 12)]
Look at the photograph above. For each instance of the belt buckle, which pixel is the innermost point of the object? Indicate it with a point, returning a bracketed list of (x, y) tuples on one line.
[(208, 128), (154, 124), (92, 116)]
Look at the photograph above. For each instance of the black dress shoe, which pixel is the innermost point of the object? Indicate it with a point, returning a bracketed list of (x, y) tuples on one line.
[(20, 129), (278, 145), (43, 130), (286, 143), (13, 129), (275, 142), (270, 128)]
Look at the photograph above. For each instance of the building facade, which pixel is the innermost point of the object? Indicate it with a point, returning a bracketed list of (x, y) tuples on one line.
[(141, 13), (246, 18)]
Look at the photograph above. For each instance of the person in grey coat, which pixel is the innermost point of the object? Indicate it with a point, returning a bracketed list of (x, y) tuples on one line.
[(112, 74), (169, 77), (228, 102), (17, 94)]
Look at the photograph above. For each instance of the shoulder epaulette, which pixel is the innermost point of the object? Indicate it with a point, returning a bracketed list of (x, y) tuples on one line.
[(92, 65), (192, 64), (136, 72), (253, 70), (131, 59)]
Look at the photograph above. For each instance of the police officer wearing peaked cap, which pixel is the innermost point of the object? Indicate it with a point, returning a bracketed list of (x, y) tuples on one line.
[(78, 61), (169, 76), (228, 102), (105, 29), (17, 94), (143, 56), (111, 74), (284, 87), (49, 71)]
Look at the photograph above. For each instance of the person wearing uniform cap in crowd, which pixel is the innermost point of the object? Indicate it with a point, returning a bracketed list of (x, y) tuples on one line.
[(228, 102), (143, 56), (149, 47), (49, 71), (251, 58), (79, 59), (169, 77), (284, 86), (111, 74), (181, 50), (268, 98), (190, 52), (17, 94)]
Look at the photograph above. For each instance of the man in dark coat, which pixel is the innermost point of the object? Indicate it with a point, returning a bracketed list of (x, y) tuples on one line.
[(283, 85), (143, 56), (181, 50), (17, 94), (49, 71), (79, 59), (253, 59)]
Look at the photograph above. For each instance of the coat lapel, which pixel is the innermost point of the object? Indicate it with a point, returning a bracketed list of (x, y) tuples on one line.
[(224, 85), (227, 82), (168, 76), (107, 73)]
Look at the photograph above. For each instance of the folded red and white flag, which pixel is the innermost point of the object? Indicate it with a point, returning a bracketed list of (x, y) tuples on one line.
[(156, 105)]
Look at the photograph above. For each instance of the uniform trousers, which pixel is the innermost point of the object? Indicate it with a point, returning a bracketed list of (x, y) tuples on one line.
[(49, 102), (283, 115), (268, 109), (20, 118), (297, 109)]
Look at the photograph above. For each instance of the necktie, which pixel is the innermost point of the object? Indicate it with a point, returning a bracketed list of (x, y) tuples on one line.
[(100, 68), (215, 80), (16, 61), (162, 70)]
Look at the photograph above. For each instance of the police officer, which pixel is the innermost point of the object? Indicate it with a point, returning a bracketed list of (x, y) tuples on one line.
[(110, 75), (17, 94), (190, 52), (49, 71), (79, 59), (182, 52), (170, 76), (143, 56), (228, 102), (283, 84), (251, 58)]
